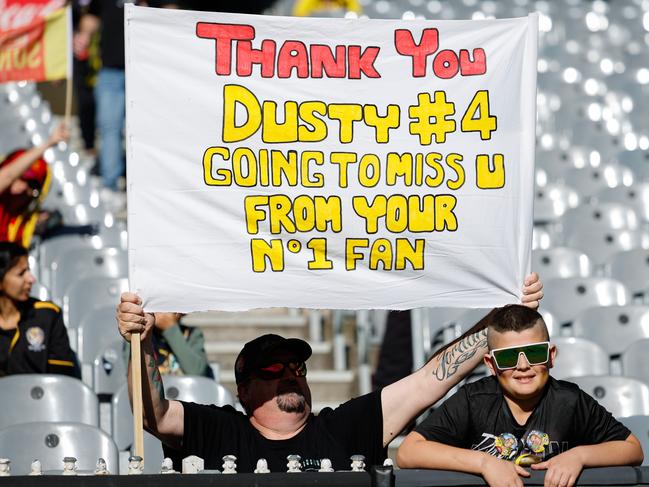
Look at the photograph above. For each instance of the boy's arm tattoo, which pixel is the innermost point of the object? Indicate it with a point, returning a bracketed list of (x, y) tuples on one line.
[(454, 356)]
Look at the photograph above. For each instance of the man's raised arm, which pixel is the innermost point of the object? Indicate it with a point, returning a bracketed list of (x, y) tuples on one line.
[(404, 400), (163, 418)]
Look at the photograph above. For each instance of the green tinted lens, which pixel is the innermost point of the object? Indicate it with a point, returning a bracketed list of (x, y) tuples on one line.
[(536, 354), (507, 358)]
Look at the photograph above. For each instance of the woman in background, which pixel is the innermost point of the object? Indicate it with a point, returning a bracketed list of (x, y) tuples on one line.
[(33, 338)]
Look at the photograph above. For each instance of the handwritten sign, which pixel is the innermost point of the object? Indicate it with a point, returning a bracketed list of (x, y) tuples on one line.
[(330, 163)]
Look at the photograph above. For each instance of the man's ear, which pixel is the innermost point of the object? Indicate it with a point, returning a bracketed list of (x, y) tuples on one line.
[(489, 362), (553, 355)]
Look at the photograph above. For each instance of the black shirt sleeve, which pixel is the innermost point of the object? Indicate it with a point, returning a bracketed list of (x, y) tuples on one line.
[(358, 424), (595, 423), (60, 358), (449, 423)]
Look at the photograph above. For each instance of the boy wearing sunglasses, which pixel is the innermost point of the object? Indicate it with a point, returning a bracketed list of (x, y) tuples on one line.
[(519, 416)]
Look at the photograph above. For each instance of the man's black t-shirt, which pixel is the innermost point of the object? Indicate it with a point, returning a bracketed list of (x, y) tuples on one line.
[(478, 417), (355, 427)]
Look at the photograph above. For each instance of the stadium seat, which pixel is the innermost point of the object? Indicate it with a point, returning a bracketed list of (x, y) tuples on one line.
[(636, 160), (636, 197), (639, 426), (614, 328), (50, 442), (561, 262), (40, 292), (635, 361), (631, 267), (577, 357), (552, 201), (29, 398), (72, 266), (200, 390), (49, 250), (91, 293), (543, 238), (95, 331), (109, 369), (621, 396), (601, 244), (590, 180), (566, 298), (606, 216)]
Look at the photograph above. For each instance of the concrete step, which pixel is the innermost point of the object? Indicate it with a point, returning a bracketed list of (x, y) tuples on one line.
[(327, 386), (220, 326), (225, 353)]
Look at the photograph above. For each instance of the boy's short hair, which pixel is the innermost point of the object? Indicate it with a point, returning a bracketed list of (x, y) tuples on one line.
[(514, 317)]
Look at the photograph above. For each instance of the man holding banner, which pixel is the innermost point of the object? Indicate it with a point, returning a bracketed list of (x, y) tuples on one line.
[(323, 163), (271, 379)]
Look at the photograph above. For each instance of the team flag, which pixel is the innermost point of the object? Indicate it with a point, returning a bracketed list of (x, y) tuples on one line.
[(39, 50)]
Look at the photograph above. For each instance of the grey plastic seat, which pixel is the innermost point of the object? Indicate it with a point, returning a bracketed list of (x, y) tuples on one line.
[(90, 293), (566, 298), (200, 390), (51, 442), (636, 196), (51, 249), (552, 201), (614, 328), (542, 238), (28, 398), (561, 262), (590, 180), (637, 161), (639, 426), (186, 388), (632, 268), (109, 369), (577, 357), (635, 361), (40, 292), (601, 244), (621, 396), (72, 266), (609, 216), (95, 331)]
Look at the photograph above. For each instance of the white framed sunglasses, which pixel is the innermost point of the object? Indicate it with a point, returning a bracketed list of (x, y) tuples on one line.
[(507, 358)]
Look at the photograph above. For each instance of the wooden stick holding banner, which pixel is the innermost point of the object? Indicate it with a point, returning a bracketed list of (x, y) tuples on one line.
[(136, 377)]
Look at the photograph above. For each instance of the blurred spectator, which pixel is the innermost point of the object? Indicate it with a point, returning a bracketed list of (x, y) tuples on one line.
[(109, 90), (24, 182), (33, 338), (86, 67), (179, 349)]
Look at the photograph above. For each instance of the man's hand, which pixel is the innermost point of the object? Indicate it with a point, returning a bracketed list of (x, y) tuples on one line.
[(532, 291), (131, 317), (60, 133), (562, 470), (497, 472)]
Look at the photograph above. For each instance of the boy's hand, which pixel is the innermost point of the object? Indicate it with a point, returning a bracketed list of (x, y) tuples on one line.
[(562, 470), (497, 472), (532, 291)]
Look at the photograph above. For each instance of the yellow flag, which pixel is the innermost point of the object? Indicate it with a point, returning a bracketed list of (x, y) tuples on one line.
[(39, 51)]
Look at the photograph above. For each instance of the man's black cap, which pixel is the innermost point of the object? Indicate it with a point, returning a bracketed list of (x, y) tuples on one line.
[(256, 353)]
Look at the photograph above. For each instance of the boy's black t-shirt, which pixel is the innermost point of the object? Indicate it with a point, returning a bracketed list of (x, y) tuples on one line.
[(477, 417), (355, 427)]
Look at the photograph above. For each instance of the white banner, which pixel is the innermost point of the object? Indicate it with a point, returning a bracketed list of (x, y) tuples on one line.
[(328, 163)]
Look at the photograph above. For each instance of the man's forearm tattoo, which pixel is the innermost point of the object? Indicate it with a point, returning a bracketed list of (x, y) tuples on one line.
[(156, 379), (453, 357)]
